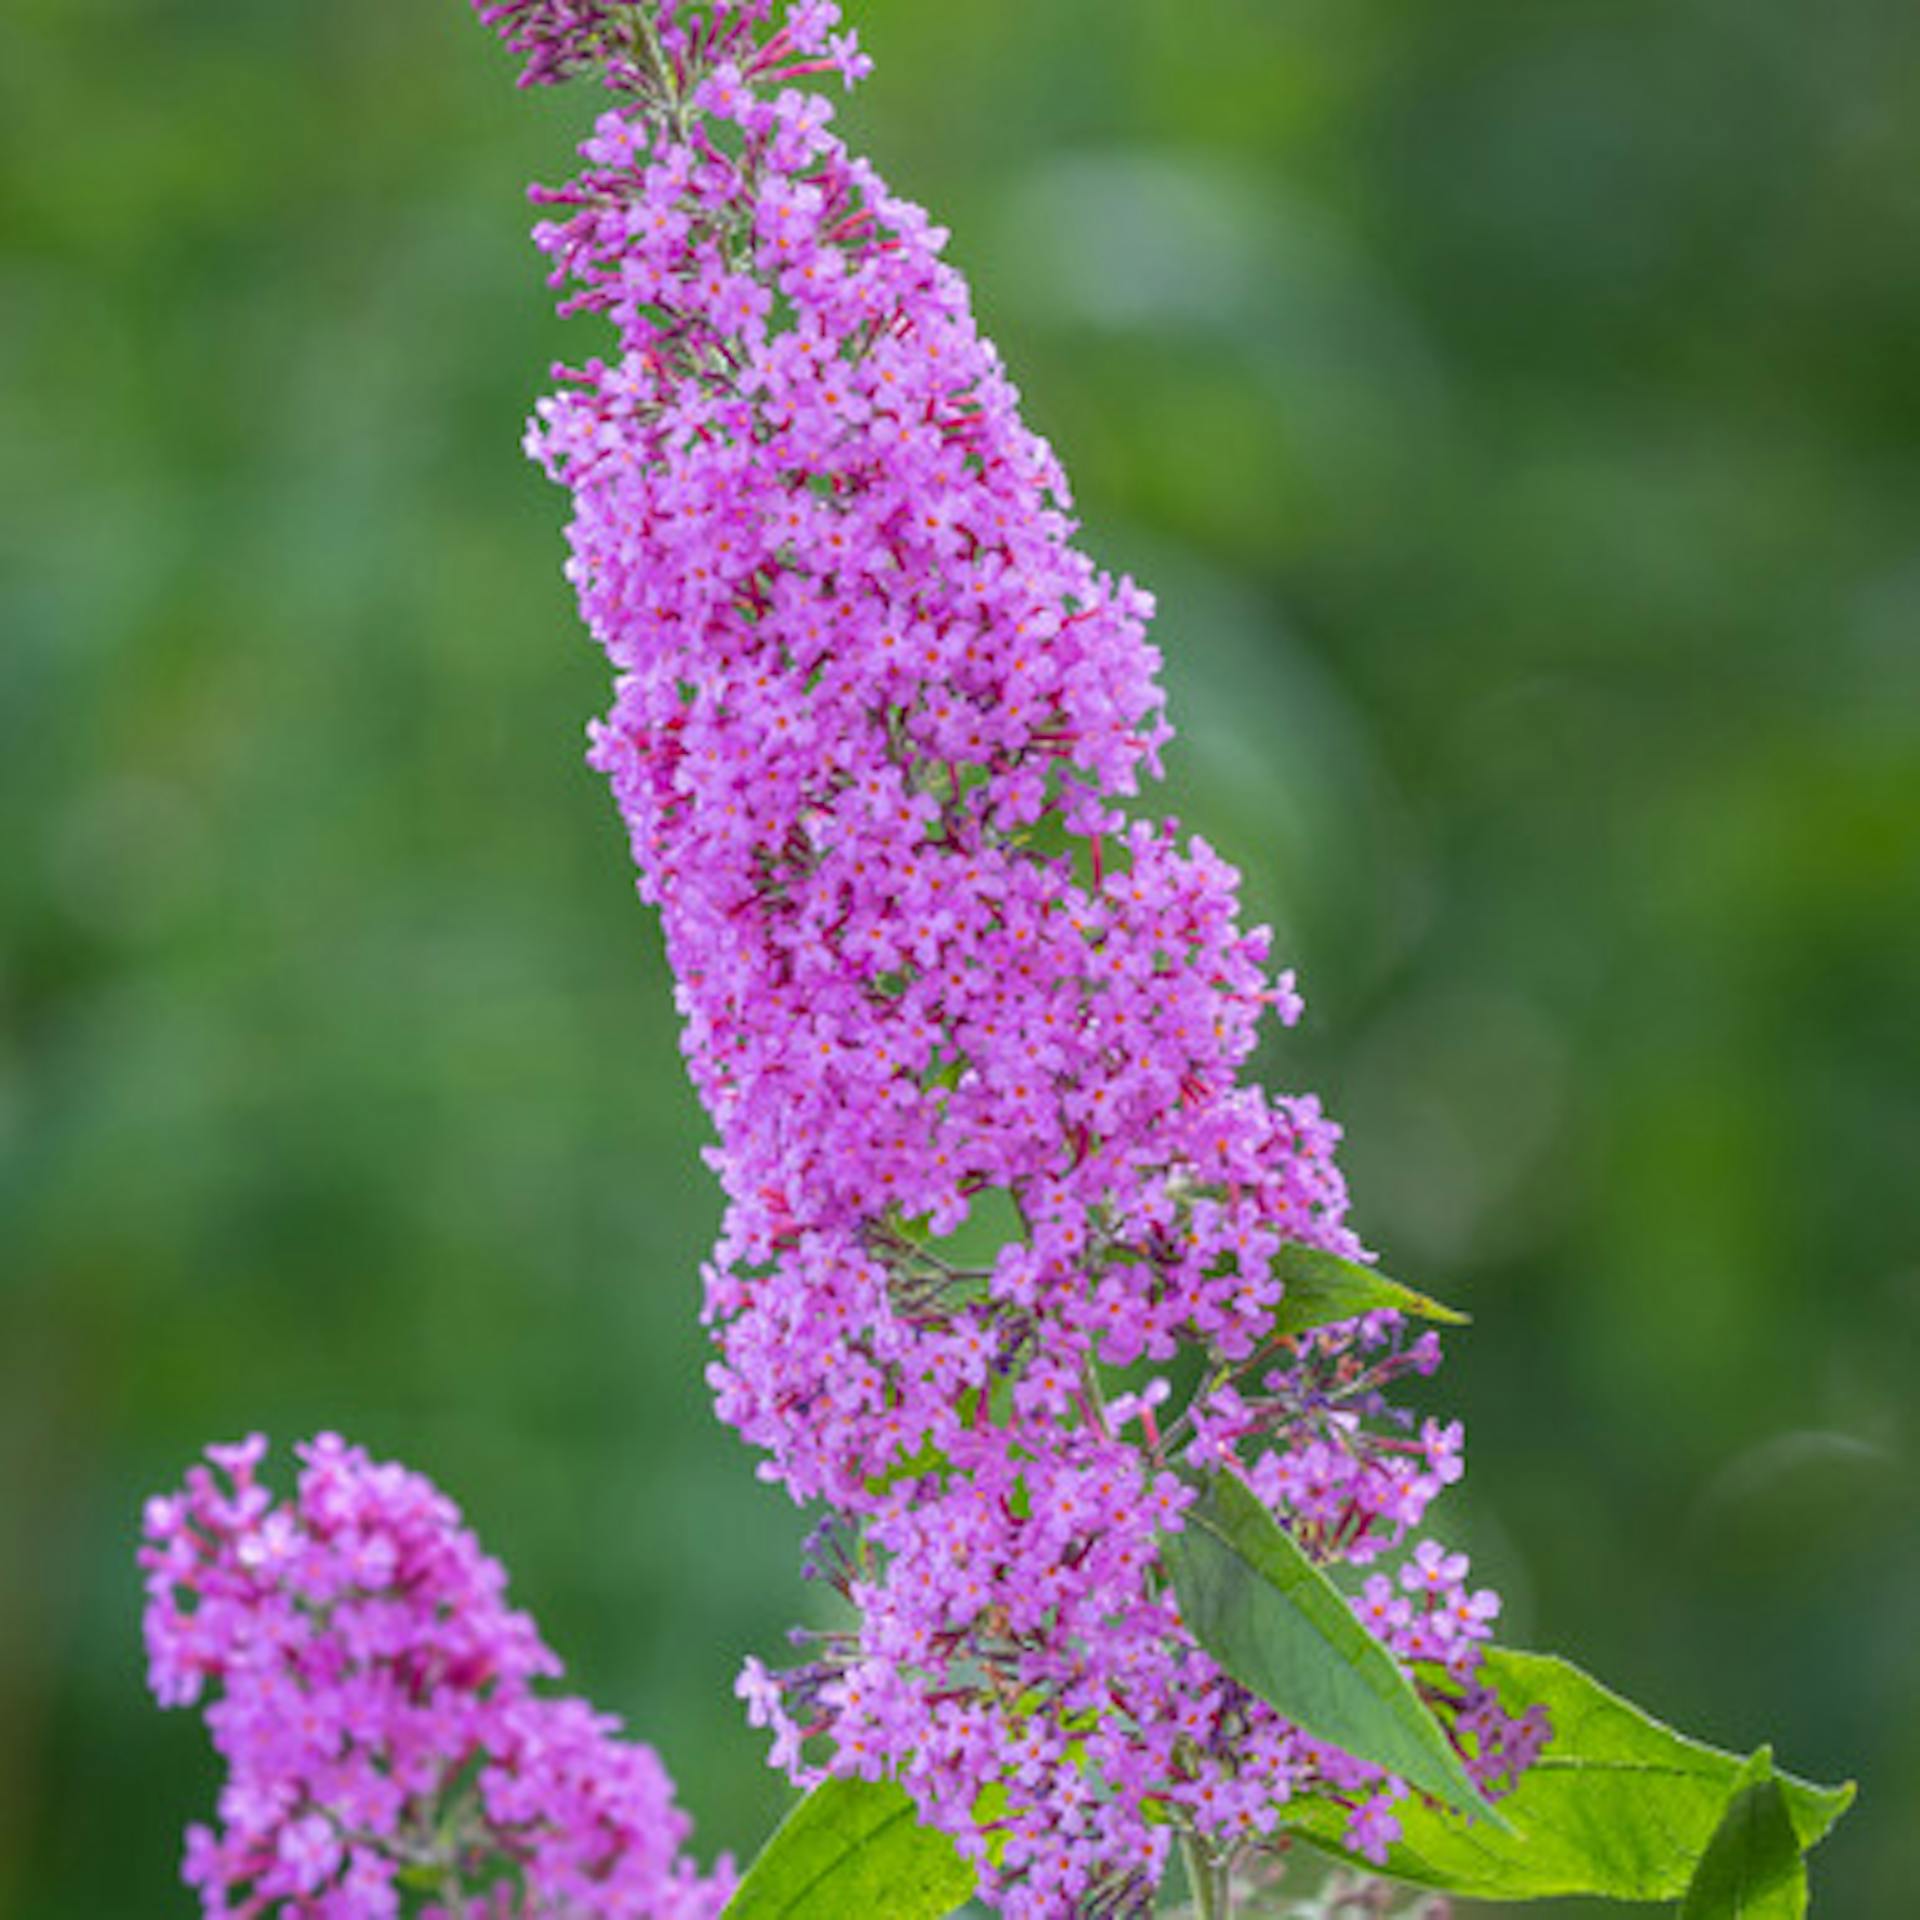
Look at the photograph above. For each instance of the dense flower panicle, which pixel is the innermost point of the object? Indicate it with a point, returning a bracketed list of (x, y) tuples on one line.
[(877, 727), (373, 1698)]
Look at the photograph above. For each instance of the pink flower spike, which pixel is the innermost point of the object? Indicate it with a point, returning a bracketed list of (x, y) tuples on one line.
[(364, 1665), (972, 1025)]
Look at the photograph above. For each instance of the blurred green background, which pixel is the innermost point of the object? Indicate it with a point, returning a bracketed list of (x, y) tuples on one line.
[(1517, 409)]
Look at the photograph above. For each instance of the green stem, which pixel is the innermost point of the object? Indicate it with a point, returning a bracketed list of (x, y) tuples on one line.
[(1212, 1895), (663, 70)]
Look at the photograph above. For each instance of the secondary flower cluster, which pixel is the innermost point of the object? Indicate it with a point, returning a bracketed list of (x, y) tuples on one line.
[(876, 729), (374, 1703)]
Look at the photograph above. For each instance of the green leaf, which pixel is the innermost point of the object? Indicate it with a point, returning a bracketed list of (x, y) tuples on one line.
[(1618, 1804), (1752, 1868), (853, 1847), (991, 1806), (926, 1459), (1275, 1622), (992, 1222), (1323, 1289)]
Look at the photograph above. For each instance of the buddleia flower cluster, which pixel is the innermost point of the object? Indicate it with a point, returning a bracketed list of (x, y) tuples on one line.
[(998, 1267), (374, 1699)]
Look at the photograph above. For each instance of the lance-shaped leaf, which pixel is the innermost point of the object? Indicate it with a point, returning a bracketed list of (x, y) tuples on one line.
[(1323, 1289), (1275, 1622), (853, 1847), (1618, 1805), (1752, 1868)]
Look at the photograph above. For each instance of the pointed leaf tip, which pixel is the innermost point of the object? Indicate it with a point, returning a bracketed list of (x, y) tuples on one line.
[(1619, 1805), (1322, 1289), (1752, 1868), (1274, 1621)]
